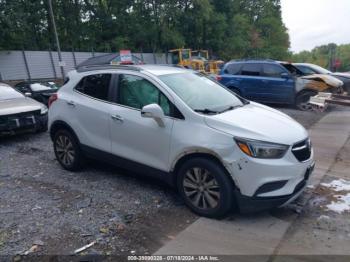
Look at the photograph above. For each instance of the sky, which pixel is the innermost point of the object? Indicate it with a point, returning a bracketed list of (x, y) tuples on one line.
[(316, 22)]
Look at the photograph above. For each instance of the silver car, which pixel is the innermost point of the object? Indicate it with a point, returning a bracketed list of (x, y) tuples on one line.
[(19, 113)]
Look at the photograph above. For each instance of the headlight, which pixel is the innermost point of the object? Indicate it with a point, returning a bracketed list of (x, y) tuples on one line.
[(260, 149), (43, 110)]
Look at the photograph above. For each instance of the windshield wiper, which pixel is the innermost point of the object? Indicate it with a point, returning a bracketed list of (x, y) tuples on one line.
[(206, 111), (230, 108)]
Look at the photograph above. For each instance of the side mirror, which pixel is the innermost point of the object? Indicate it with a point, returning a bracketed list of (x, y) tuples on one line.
[(285, 75), (27, 94), (154, 111)]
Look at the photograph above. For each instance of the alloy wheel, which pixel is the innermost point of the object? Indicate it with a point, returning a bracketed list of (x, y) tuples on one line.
[(65, 150), (201, 188)]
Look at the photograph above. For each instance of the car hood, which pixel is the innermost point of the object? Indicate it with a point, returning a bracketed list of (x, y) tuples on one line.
[(255, 121), (345, 75), (18, 105)]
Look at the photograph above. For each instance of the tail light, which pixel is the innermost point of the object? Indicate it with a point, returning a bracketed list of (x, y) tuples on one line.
[(218, 77), (52, 99)]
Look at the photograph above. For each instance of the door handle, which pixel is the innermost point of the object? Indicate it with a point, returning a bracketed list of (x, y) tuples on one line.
[(117, 118), (71, 103)]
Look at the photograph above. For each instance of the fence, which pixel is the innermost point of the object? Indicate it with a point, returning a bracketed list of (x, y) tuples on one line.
[(23, 65)]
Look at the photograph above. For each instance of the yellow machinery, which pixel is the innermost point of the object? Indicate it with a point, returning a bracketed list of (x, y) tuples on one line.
[(200, 54), (211, 66), (183, 57), (215, 66)]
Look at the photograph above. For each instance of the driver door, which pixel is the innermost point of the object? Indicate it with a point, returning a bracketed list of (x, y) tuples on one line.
[(134, 137)]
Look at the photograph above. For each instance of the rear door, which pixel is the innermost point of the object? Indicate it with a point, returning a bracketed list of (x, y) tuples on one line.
[(277, 88), (252, 86), (88, 111)]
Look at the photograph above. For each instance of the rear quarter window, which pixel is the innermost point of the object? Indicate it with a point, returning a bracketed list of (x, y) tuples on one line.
[(233, 69), (96, 86)]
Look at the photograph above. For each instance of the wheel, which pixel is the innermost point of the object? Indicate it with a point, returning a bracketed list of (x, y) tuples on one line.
[(67, 150), (205, 187), (302, 100)]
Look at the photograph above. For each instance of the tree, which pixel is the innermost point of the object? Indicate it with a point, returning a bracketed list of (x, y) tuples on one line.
[(228, 28)]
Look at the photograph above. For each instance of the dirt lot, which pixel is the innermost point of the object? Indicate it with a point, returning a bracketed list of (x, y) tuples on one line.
[(54, 211)]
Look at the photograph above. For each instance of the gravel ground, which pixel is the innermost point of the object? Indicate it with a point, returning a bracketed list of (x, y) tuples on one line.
[(42, 202), (48, 210)]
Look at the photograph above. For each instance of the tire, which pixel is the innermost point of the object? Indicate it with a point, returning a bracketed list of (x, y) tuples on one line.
[(215, 202), (302, 99), (67, 150)]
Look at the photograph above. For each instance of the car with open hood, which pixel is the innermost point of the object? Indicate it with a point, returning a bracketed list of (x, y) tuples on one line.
[(19, 113), (219, 150), (270, 81), (312, 69)]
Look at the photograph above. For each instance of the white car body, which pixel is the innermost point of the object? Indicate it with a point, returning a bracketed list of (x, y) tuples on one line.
[(122, 131)]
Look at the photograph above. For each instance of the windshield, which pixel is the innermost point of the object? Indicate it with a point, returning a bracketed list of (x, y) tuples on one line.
[(200, 93), (320, 70), (42, 86), (7, 93)]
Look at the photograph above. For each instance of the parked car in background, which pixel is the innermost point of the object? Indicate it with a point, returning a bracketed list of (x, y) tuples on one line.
[(270, 81), (38, 90), (310, 69), (19, 113), (220, 150)]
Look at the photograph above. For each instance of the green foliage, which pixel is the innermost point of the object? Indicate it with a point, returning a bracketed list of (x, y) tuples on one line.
[(325, 56), (228, 28)]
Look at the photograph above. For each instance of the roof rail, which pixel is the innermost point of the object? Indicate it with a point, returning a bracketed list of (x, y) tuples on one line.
[(104, 67)]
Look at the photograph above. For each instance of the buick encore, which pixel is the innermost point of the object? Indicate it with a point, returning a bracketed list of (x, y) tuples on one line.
[(221, 151)]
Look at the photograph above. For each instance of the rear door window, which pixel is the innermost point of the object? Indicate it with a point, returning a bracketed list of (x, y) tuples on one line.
[(270, 70), (251, 69), (96, 86)]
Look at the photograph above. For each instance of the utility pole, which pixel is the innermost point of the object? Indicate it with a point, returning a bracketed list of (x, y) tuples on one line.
[(56, 37)]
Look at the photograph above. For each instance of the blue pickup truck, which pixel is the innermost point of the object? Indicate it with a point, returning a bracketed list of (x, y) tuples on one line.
[(271, 81)]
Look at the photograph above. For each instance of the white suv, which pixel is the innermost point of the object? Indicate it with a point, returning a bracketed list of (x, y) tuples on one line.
[(220, 150)]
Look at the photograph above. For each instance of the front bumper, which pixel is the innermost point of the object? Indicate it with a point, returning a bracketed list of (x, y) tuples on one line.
[(15, 124), (252, 204)]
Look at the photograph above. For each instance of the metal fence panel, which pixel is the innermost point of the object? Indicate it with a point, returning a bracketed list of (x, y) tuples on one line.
[(161, 58), (12, 65), (40, 65), (148, 58), (82, 56)]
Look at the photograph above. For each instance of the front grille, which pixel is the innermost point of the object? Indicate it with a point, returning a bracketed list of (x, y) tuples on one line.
[(302, 150), (24, 119)]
